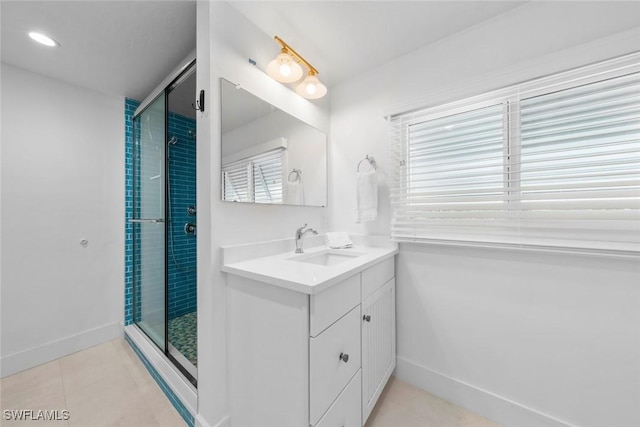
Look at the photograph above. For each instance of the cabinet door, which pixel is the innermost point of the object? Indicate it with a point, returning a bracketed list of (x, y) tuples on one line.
[(378, 344)]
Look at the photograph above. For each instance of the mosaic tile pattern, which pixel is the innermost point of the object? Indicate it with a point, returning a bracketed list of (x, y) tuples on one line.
[(183, 335)]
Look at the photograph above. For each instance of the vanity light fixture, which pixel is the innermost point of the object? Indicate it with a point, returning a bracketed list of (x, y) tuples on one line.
[(286, 69), (43, 39)]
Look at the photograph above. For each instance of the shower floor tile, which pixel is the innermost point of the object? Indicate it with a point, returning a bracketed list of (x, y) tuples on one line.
[(183, 335)]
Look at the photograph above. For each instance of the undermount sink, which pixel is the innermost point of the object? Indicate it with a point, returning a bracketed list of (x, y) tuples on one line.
[(327, 258)]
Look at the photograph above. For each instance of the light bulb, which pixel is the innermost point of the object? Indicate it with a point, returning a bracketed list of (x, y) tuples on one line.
[(284, 69), (311, 88)]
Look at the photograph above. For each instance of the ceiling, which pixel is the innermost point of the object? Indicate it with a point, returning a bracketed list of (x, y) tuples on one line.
[(123, 48), (127, 48), (344, 38)]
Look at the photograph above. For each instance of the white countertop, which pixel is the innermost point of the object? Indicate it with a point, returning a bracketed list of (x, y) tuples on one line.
[(281, 270)]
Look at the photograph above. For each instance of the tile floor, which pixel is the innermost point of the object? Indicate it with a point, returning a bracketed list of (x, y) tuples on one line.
[(107, 385), (183, 335), (402, 405)]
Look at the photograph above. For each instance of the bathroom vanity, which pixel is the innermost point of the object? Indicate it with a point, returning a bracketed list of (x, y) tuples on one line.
[(311, 338)]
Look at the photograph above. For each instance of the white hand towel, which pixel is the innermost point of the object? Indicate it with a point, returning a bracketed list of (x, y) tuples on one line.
[(338, 240), (294, 193), (367, 199)]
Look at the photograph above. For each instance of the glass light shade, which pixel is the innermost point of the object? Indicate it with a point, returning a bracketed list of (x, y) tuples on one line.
[(311, 88), (284, 69)]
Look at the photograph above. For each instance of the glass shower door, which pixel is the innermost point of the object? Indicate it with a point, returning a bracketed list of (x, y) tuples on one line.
[(149, 215)]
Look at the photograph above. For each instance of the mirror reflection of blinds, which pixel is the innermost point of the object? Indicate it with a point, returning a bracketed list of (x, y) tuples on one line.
[(556, 168), (236, 185), (255, 179)]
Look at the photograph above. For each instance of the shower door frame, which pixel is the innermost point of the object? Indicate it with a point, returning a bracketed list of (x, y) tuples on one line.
[(139, 222), (183, 73)]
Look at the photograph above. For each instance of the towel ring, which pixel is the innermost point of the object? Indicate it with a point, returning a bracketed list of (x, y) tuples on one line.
[(371, 161), (298, 173)]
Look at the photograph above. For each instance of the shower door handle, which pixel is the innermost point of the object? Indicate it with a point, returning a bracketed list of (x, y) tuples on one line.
[(147, 221)]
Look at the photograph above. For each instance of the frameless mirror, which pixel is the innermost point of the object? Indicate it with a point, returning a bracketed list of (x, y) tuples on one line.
[(269, 156)]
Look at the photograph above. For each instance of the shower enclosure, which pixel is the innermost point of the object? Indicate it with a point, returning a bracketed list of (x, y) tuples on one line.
[(164, 223)]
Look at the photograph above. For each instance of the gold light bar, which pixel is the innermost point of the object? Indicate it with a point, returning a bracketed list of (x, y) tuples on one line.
[(312, 69)]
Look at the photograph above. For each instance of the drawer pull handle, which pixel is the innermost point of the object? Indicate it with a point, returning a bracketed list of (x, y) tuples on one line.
[(366, 318), (344, 357)]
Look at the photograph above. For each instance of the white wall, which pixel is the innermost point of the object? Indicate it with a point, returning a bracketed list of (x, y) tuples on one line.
[(527, 339), (62, 181), (233, 40), (225, 42), (554, 334)]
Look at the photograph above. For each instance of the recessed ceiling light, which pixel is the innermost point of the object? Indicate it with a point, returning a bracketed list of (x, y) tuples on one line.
[(43, 39)]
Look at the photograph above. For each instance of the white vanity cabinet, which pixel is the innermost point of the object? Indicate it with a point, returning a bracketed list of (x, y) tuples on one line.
[(378, 332), (300, 359)]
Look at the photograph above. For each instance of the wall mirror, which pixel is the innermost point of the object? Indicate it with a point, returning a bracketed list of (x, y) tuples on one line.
[(269, 156)]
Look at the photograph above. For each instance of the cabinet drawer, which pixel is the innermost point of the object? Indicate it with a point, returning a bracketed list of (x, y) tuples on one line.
[(345, 411), (376, 276), (331, 304), (329, 373)]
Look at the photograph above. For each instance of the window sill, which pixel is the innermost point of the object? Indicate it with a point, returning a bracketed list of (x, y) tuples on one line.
[(599, 253)]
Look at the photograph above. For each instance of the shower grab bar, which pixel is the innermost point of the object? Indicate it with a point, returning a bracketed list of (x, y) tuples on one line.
[(147, 221)]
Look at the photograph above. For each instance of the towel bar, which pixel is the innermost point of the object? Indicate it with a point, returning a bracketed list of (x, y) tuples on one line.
[(371, 161), (298, 173)]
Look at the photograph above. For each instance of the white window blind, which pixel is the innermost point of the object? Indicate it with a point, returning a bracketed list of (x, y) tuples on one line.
[(267, 177), (542, 165), (255, 179), (235, 178)]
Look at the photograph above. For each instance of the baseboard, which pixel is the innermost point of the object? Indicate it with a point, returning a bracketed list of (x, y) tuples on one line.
[(53, 350), (483, 402)]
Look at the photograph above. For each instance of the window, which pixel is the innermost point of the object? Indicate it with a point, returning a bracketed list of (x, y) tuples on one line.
[(553, 163), (256, 178)]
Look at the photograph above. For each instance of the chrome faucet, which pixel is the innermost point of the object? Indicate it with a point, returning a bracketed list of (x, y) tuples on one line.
[(300, 233)]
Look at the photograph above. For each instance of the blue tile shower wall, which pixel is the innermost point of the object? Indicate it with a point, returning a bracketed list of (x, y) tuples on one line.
[(130, 106), (181, 246)]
